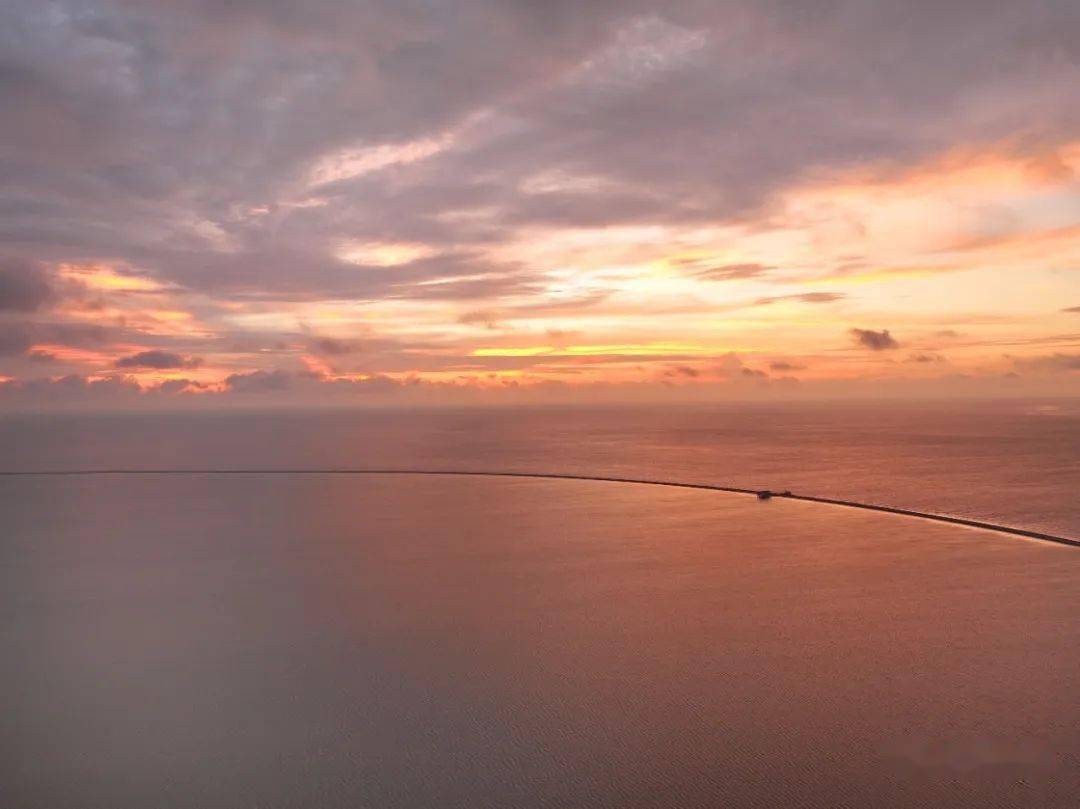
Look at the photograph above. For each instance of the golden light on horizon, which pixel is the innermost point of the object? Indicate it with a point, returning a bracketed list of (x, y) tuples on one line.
[(644, 349)]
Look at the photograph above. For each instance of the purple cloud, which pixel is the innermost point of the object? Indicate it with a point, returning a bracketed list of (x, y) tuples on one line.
[(159, 360), (24, 286), (874, 340)]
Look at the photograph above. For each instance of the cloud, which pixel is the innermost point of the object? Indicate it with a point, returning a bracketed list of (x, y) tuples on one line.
[(925, 358), (874, 340), (539, 308), (1051, 363), (805, 297), (732, 272), (1072, 309), (17, 337), (80, 390), (234, 152), (171, 387), (71, 388), (296, 275), (487, 318), (682, 370), (333, 347), (259, 382), (784, 365), (728, 363), (24, 286), (486, 287), (75, 334), (305, 385), (159, 360), (123, 150)]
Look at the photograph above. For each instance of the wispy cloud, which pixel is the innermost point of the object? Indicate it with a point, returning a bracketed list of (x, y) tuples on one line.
[(805, 297), (731, 272)]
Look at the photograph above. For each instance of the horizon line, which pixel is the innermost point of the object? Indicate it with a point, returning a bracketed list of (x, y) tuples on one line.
[(784, 495)]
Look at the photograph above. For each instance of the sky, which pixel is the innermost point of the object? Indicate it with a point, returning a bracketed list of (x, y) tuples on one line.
[(211, 203)]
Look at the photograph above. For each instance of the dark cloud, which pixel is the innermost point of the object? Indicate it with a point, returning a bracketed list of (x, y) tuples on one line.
[(368, 353), (1072, 309), (332, 347), (170, 387), (367, 385), (682, 370), (157, 359), (926, 358), (71, 388), (77, 389), (259, 382), (24, 285), (487, 318), (753, 373), (784, 365), (874, 340), (76, 334), (279, 385), (17, 337), (304, 383)]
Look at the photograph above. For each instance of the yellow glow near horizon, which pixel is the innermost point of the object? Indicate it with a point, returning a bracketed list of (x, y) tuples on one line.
[(105, 278), (644, 349), (982, 244)]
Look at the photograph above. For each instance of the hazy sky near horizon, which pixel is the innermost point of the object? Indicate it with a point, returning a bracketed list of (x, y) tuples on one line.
[(329, 201)]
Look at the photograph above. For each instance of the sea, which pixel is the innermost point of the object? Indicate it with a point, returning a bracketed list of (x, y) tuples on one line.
[(231, 638), (1013, 462)]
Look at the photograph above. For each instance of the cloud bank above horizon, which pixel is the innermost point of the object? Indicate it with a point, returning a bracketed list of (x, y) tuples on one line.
[(439, 202)]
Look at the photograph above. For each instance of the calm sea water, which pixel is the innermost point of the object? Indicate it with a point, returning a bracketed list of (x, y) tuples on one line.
[(1013, 463), (412, 641)]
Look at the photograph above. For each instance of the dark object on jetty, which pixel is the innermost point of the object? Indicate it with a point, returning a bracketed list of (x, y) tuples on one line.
[(764, 494)]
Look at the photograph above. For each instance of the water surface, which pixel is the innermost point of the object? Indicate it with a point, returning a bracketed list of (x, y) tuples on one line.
[(388, 641), (1015, 463)]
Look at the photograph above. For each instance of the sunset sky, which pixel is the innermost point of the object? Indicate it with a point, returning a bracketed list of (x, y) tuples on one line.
[(249, 202)]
